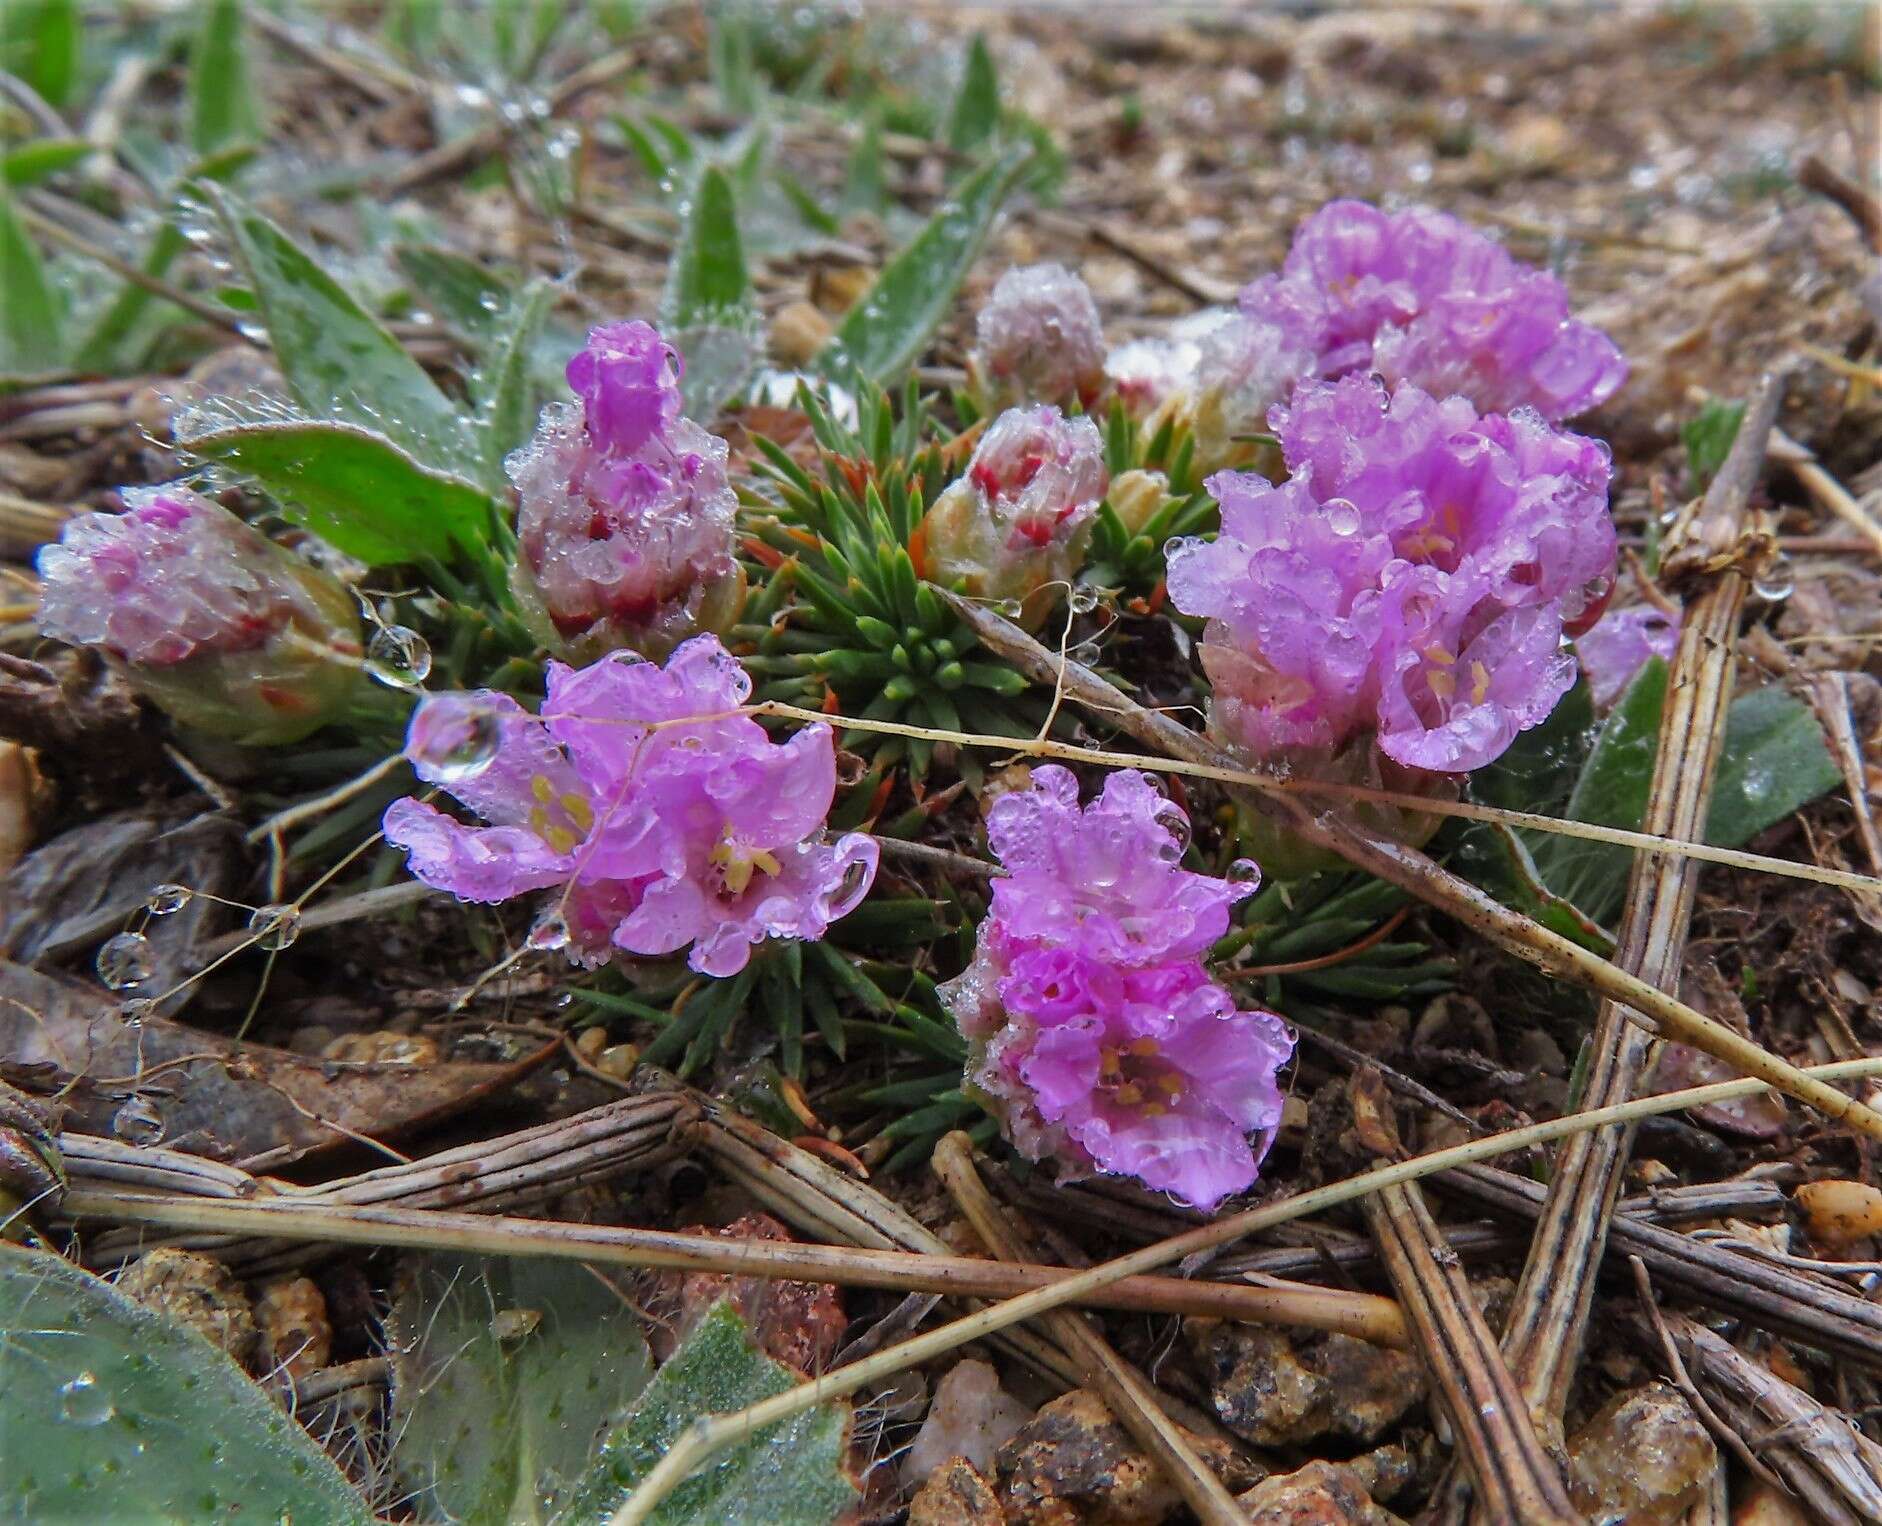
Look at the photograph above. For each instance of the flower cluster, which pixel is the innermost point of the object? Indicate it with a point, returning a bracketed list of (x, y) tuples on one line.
[(667, 817), (1619, 645), (1413, 578), (625, 528), (1039, 339), (210, 620), (1096, 1034), (1418, 296), (1021, 516)]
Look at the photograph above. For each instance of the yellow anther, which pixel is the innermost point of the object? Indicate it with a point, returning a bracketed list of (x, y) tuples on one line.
[(1169, 1083), (1130, 1094), (1443, 684), (1479, 682), (578, 810), (1439, 652), (561, 839), (542, 789), (1144, 1046), (1154, 1110)]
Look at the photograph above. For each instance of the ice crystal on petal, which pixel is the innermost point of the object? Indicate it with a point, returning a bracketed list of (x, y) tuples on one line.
[(1039, 338), (666, 818)]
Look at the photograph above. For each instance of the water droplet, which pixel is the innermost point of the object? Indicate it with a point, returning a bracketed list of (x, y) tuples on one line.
[(550, 932), (398, 657), (1173, 545), (455, 737), (125, 961), (275, 926), (1777, 581), (1010, 608), (849, 890), (1085, 653), (165, 899), (1174, 820), (84, 1401), (1084, 599), (1244, 871), (1342, 516), (137, 1009), (138, 1122)]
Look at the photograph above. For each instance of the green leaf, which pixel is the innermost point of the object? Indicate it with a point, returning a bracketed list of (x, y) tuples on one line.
[(32, 162), (505, 1373), (709, 308), (337, 359), (355, 489), (974, 115), (1538, 770), (470, 296), (891, 322), (222, 101), (1708, 436), (788, 1474), (43, 45), (118, 1413), (508, 413), (1772, 760), (31, 321)]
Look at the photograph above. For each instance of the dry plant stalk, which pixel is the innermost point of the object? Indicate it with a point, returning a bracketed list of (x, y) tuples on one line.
[(1515, 1478), (1823, 1459), (1550, 1314), (694, 1446), (1413, 871), (1131, 1400)]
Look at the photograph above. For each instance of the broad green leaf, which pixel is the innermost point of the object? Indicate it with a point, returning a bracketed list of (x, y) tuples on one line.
[(32, 162), (974, 115), (1772, 760), (357, 490), (337, 359), (1708, 437), (709, 309), (44, 45), (30, 315), (115, 1412), (864, 187), (470, 296), (1538, 770), (506, 1373), (891, 322), (789, 1474), (222, 101), (507, 413)]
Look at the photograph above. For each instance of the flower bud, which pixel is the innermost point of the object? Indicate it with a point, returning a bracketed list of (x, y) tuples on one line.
[(209, 619), (1021, 517), (1040, 339), (625, 529)]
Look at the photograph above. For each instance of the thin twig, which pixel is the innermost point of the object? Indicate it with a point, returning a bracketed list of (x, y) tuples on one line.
[(693, 1447), (1131, 1400)]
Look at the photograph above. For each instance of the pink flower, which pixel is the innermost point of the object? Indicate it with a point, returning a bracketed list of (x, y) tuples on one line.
[(669, 818), (1418, 296), (1039, 338), (626, 525), (1095, 1033), (1021, 517), (1414, 578), (1618, 645), (210, 619)]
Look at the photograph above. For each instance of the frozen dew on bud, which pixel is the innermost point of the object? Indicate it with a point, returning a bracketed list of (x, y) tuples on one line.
[(276, 926), (138, 1121), (209, 619), (659, 815), (167, 899), (1039, 339), (1020, 518), (454, 736), (1095, 1034), (124, 961), (398, 657)]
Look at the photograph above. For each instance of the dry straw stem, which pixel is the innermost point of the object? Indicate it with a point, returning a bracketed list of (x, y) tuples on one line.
[(1515, 1479), (1549, 1316), (1411, 870), (693, 1447), (1131, 1400)]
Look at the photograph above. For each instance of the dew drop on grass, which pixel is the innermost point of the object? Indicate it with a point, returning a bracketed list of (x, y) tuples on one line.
[(85, 1401), (398, 657), (275, 926), (125, 961), (163, 900)]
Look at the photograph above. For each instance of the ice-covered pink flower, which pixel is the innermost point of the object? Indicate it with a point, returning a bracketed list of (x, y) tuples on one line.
[(1618, 645), (1413, 578), (667, 818), (1095, 1033), (210, 619), (1039, 339), (1021, 516), (1421, 297), (626, 522)]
